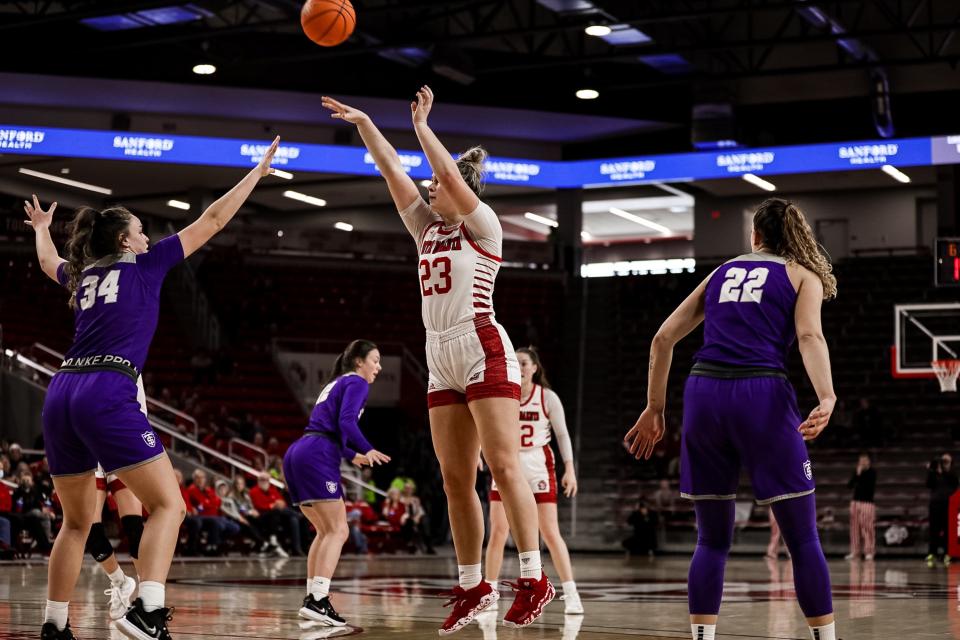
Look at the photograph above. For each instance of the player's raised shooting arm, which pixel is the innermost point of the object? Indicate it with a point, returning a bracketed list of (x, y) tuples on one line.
[(681, 322), (810, 340), (401, 186), (441, 162), (218, 214)]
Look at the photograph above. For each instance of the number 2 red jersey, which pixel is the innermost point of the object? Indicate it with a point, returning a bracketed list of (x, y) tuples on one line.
[(458, 265)]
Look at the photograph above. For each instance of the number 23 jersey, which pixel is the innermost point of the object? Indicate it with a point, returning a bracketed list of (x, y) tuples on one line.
[(458, 265)]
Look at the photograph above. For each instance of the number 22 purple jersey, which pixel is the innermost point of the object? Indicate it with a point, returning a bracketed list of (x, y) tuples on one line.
[(749, 313), (118, 303)]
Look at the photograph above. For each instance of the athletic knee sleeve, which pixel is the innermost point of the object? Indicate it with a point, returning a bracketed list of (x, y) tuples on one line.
[(133, 528), (714, 537), (98, 545), (797, 518)]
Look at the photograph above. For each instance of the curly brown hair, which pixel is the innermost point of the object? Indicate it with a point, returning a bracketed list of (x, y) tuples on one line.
[(785, 232)]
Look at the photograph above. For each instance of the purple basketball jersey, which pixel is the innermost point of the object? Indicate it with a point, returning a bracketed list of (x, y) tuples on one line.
[(749, 313), (338, 411), (118, 304)]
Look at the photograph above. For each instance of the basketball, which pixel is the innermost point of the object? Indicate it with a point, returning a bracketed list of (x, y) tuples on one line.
[(328, 22)]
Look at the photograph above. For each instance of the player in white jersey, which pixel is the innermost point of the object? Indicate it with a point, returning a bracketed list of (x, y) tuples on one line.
[(540, 413), (474, 385)]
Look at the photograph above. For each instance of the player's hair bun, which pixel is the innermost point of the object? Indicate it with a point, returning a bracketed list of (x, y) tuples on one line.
[(470, 164)]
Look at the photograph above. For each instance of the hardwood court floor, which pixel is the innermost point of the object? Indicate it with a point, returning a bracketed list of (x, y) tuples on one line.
[(397, 597)]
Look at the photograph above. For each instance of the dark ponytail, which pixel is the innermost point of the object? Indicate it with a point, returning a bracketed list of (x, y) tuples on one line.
[(346, 362), (785, 232), (540, 377), (93, 235)]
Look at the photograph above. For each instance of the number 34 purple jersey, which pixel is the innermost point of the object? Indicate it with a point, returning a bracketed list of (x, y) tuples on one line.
[(118, 303), (749, 313)]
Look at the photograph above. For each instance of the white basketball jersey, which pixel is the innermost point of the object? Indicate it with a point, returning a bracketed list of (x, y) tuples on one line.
[(458, 265), (534, 420)]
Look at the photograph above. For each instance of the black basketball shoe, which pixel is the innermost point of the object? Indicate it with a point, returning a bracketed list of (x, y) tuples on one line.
[(145, 625), (49, 631), (321, 611)]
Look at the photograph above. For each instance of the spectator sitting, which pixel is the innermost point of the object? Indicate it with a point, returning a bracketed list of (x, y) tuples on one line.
[(6, 528), (241, 497), (207, 503), (192, 522), (392, 509), (15, 453), (400, 481), (32, 511), (278, 517), (644, 538), (231, 511), (5, 466), (414, 523), (42, 477), (355, 522)]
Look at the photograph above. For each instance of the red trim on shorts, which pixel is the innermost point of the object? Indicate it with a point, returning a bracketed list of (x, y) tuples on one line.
[(101, 484), (495, 496), (116, 485), (445, 397), (552, 472), (495, 383), (476, 247)]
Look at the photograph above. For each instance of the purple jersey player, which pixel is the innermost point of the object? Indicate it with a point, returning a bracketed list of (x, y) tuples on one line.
[(740, 410), (311, 468), (92, 412)]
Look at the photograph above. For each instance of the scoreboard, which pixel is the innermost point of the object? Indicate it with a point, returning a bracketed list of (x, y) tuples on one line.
[(947, 262)]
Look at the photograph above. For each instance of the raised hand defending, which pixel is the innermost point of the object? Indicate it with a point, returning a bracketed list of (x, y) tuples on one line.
[(38, 218)]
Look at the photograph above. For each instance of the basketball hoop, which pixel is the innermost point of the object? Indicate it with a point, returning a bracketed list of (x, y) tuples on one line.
[(947, 372)]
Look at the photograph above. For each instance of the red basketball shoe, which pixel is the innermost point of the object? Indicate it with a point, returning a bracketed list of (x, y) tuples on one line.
[(532, 597), (467, 603)]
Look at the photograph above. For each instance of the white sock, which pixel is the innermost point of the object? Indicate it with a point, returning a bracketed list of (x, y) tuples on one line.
[(117, 577), (56, 613), (309, 585), (703, 631), (470, 575), (152, 595), (493, 584), (530, 565), (826, 632), (319, 587), (569, 588)]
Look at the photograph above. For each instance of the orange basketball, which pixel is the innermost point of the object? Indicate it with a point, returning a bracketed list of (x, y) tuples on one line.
[(328, 22)]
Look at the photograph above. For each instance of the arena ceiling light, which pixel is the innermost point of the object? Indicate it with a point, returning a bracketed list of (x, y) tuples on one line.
[(588, 94), (280, 173), (179, 204), (302, 197), (204, 69), (541, 219), (895, 173), (757, 181), (650, 224), (598, 30), (67, 181), (343, 226)]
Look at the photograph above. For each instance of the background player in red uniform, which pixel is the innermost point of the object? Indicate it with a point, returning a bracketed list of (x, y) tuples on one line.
[(540, 411)]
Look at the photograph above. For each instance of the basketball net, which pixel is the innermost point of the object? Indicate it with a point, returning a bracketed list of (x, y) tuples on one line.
[(947, 372)]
